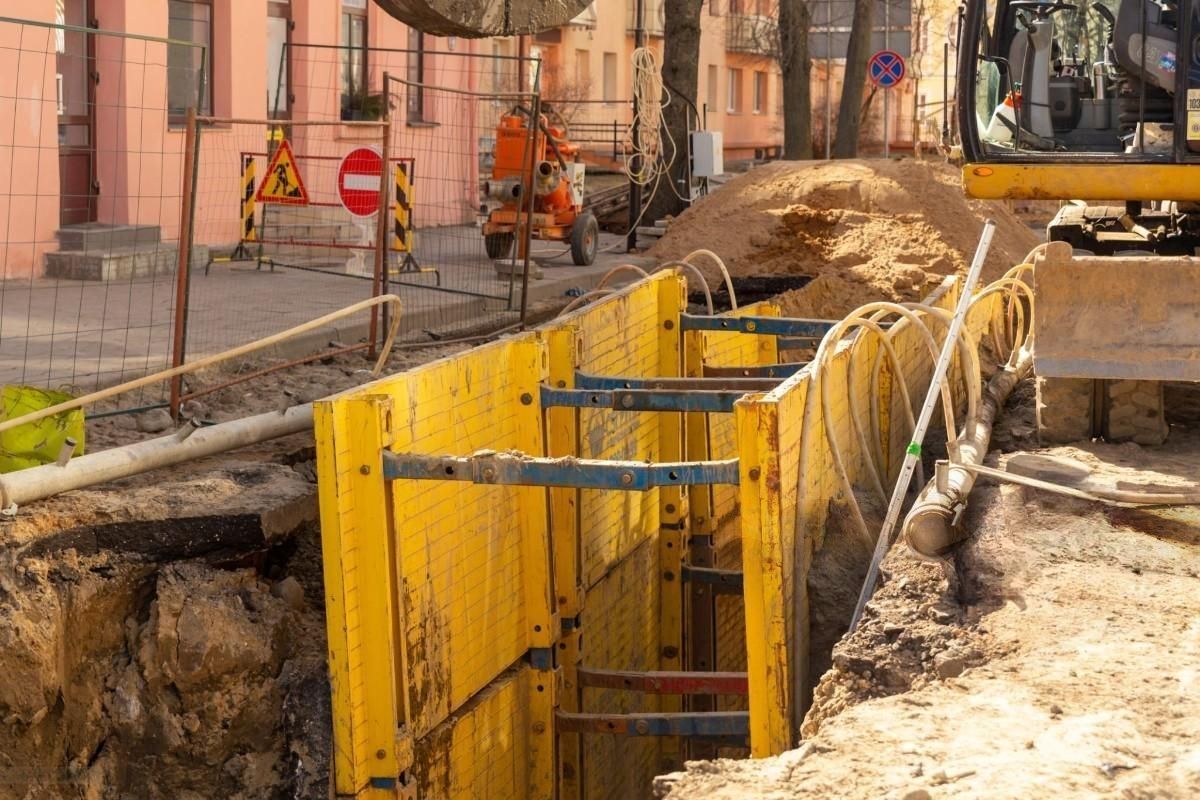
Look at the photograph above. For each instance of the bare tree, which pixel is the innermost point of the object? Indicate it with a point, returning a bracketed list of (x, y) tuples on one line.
[(680, 72), (857, 55), (795, 19)]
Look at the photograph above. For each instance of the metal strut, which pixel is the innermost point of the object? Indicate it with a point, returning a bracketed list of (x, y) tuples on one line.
[(711, 724), (758, 371), (722, 581), (700, 400), (814, 329), (690, 683), (730, 381), (520, 470)]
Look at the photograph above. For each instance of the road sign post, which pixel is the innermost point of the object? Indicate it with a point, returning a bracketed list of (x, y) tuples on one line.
[(886, 69)]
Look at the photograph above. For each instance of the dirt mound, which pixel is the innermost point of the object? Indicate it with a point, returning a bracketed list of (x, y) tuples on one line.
[(865, 229)]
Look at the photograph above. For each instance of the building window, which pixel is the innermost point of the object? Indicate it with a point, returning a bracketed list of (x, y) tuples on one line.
[(279, 78), (713, 80), (610, 77), (760, 92), (355, 94), (735, 91), (189, 69), (583, 78), (416, 76)]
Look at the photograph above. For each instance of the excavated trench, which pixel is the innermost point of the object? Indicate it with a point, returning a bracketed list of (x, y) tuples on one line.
[(164, 638)]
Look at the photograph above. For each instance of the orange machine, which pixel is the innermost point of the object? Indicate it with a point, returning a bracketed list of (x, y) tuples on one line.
[(558, 213)]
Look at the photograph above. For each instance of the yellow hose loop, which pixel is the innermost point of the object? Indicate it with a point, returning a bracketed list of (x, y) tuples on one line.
[(721, 266), (617, 270), (857, 318), (594, 294)]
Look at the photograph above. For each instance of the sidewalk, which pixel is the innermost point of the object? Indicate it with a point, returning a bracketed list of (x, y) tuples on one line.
[(83, 334)]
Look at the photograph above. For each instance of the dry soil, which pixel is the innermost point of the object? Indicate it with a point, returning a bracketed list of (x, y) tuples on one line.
[(863, 230), (163, 636)]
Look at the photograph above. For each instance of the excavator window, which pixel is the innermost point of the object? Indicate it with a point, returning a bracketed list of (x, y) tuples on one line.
[(1085, 78)]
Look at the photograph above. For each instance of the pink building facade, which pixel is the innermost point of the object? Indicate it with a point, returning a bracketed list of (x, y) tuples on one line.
[(91, 125)]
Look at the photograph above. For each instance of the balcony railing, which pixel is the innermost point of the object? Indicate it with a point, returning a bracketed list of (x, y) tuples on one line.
[(654, 20), (751, 33)]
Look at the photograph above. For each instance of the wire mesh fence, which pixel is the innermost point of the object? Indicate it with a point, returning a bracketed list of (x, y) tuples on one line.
[(600, 127), (91, 157), (282, 245), (443, 108)]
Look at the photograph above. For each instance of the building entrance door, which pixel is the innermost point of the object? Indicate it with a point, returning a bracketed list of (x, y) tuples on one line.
[(75, 80)]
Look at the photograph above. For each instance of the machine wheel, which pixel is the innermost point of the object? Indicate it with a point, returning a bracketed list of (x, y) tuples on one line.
[(1065, 409), (585, 236), (498, 245), (1134, 412)]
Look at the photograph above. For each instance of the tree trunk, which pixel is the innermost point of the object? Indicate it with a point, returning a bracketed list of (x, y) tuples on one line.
[(680, 71), (857, 55), (794, 22)]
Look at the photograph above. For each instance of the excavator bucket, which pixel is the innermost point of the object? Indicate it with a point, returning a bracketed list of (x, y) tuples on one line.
[(1132, 317)]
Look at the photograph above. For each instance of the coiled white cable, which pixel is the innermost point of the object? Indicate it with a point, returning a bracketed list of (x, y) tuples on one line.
[(645, 163)]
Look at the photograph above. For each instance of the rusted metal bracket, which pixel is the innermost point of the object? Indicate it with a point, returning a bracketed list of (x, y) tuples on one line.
[(715, 724), (756, 372), (730, 382), (506, 469), (690, 683), (715, 402), (722, 581)]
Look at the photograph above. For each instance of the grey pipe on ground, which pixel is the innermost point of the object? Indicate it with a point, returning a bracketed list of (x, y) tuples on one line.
[(930, 529), (186, 444)]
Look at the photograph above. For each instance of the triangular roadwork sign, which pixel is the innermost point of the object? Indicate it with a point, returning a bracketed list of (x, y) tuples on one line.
[(282, 182)]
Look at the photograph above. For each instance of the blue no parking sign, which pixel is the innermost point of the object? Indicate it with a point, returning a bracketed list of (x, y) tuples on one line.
[(886, 69)]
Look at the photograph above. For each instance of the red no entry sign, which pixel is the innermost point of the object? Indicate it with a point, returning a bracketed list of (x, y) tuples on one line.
[(358, 181), (886, 68)]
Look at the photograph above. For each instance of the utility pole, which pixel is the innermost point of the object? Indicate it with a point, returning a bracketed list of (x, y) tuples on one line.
[(635, 188), (828, 79), (887, 92)]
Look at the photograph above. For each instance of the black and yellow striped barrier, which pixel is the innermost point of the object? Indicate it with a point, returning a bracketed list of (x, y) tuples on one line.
[(402, 234), (248, 232), (402, 224)]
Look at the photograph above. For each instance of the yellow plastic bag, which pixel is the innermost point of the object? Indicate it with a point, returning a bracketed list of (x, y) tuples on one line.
[(36, 442)]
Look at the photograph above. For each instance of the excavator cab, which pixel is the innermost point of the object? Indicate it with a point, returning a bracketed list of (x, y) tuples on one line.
[(1096, 104), (1048, 82)]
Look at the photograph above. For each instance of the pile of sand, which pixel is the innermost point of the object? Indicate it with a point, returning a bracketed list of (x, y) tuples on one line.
[(864, 230)]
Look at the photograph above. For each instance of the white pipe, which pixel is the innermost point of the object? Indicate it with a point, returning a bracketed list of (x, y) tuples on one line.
[(938, 385), (724, 272), (188, 443), (929, 528), (241, 350)]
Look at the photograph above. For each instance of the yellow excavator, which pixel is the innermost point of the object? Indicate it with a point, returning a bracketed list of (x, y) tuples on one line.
[(1097, 104)]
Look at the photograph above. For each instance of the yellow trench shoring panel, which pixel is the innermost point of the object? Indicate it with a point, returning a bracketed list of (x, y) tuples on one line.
[(437, 588), (626, 620), (438, 592), (716, 623)]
